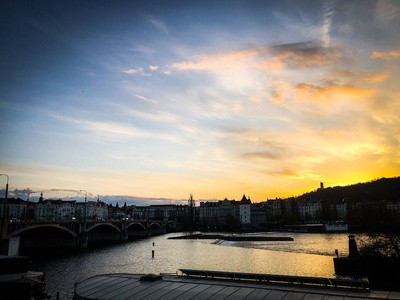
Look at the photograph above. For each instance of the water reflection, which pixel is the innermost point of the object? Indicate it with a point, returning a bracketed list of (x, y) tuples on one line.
[(307, 255), (320, 244)]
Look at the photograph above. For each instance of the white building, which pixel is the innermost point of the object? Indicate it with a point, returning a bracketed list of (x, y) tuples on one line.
[(245, 214), (159, 212), (341, 210), (47, 209), (310, 211), (95, 210), (245, 211), (66, 209), (16, 208)]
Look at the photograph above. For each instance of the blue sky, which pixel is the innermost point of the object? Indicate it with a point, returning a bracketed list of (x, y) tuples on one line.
[(160, 99)]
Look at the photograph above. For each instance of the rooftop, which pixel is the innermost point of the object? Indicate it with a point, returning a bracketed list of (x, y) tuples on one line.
[(129, 286)]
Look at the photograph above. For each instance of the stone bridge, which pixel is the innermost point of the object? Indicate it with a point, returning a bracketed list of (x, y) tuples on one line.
[(77, 234)]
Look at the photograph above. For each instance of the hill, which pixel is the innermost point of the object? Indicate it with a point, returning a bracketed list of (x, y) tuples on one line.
[(377, 190)]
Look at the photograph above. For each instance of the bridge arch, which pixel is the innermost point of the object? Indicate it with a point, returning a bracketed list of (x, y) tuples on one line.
[(155, 228), (168, 227), (102, 233), (45, 237), (36, 227), (155, 225), (103, 224), (137, 225)]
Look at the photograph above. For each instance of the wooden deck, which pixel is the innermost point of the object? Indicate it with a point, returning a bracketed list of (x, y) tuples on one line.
[(128, 286)]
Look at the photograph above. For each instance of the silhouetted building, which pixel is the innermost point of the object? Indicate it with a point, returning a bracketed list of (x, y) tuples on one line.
[(258, 217), (208, 213), (167, 212)]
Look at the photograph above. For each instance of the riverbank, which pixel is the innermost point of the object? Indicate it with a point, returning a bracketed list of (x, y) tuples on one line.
[(232, 238)]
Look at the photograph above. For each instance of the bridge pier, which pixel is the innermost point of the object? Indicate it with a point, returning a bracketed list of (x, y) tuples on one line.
[(82, 240), (124, 235), (124, 232)]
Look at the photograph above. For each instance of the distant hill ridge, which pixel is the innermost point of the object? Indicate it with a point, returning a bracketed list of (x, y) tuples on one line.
[(376, 190)]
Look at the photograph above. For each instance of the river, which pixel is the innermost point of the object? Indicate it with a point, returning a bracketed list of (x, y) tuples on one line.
[(307, 255)]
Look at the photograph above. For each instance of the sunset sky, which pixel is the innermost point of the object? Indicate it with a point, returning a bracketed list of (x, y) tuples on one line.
[(160, 99)]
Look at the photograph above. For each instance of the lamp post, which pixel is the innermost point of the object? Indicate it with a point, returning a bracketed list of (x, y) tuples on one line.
[(3, 234), (84, 210)]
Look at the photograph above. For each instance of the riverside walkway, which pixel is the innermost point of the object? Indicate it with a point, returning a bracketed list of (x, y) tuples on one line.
[(129, 286)]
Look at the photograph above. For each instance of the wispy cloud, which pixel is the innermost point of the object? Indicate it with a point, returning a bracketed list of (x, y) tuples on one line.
[(144, 49), (159, 25), (362, 75), (386, 55), (146, 99), (301, 55), (292, 56), (114, 130), (153, 68), (329, 91), (255, 99), (136, 71), (219, 61), (346, 73), (376, 78), (386, 11), (263, 155), (329, 9), (280, 91)]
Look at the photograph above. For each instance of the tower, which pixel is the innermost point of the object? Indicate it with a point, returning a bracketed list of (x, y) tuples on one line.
[(191, 204)]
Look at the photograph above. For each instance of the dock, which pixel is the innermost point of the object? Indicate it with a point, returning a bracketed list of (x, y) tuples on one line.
[(183, 286)]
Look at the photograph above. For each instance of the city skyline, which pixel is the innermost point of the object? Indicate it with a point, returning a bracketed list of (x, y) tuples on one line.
[(160, 100)]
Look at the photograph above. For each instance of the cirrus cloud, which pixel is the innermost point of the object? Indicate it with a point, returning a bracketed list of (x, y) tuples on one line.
[(301, 55), (146, 99), (376, 78), (291, 56), (311, 92), (386, 55), (136, 71)]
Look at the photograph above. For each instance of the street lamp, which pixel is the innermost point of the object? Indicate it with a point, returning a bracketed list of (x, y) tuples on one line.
[(4, 208), (84, 211)]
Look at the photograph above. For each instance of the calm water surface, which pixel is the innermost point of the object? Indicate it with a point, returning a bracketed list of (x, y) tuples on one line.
[(307, 255)]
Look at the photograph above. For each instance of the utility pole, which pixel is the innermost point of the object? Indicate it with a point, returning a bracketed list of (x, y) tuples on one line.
[(84, 209), (3, 224)]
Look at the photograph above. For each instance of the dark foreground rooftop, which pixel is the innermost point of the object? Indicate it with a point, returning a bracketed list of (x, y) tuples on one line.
[(128, 286)]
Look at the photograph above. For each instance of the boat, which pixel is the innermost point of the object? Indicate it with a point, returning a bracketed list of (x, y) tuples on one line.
[(336, 227)]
